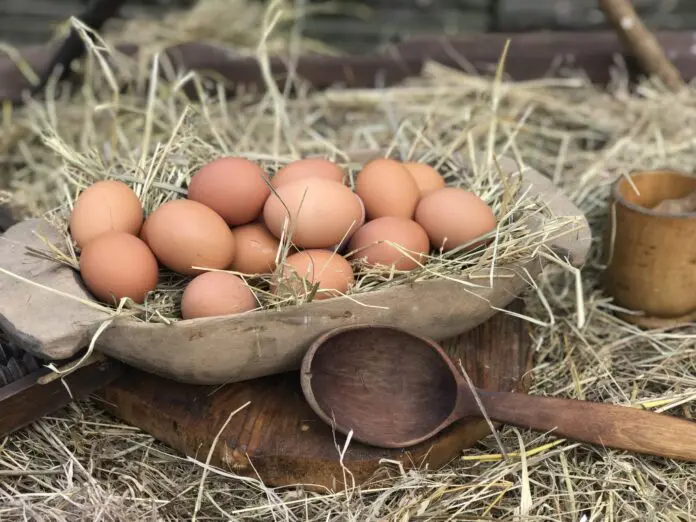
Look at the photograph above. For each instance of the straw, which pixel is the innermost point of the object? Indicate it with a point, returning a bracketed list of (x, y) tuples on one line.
[(81, 463), (154, 140)]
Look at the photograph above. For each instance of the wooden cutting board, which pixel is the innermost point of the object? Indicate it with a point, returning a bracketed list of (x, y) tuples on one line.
[(279, 437)]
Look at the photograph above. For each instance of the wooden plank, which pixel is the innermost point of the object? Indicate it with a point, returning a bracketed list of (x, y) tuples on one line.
[(392, 24), (26, 400), (516, 15), (531, 55), (397, 22), (278, 435)]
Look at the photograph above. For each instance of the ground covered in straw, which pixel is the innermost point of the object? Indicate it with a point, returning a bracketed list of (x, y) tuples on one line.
[(82, 463)]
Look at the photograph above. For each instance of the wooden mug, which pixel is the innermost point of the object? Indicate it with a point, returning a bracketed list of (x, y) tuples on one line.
[(650, 254)]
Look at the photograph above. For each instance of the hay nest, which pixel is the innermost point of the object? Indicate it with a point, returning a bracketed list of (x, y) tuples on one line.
[(82, 463), (154, 139)]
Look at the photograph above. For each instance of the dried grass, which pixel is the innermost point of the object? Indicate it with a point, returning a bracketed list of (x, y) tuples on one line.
[(82, 463), (151, 137)]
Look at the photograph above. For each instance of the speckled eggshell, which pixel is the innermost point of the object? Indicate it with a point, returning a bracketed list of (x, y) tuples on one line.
[(321, 212), (453, 217), (376, 243), (214, 294), (387, 188), (184, 233), (117, 265), (331, 271), (425, 176), (105, 206), (255, 249), (308, 168), (235, 188)]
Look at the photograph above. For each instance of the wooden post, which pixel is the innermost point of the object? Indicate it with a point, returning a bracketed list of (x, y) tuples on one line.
[(641, 42)]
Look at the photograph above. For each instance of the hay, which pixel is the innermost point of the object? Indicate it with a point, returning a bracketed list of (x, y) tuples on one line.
[(82, 463), (154, 139), (229, 23)]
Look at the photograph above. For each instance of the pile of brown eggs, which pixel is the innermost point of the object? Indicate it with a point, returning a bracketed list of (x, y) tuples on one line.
[(231, 221)]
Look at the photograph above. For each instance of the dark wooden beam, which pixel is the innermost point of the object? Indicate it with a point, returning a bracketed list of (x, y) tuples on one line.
[(535, 54), (27, 400)]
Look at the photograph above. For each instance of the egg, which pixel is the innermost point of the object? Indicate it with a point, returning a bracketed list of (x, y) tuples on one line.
[(235, 188), (343, 245), (143, 232), (387, 188), (183, 233), (453, 216), (321, 212), (255, 249), (105, 206), (330, 271), (391, 241), (308, 168), (117, 265), (425, 176), (213, 294)]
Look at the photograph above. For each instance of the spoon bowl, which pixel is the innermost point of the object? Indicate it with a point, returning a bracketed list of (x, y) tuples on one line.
[(394, 389), (390, 387)]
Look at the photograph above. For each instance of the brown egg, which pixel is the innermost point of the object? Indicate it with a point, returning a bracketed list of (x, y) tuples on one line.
[(322, 212), (184, 233), (308, 168), (391, 241), (235, 188), (213, 294), (255, 249), (453, 217), (102, 207), (143, 232), (425, 176), (331, 271), (341, 247), (387, 188), (117, 265)]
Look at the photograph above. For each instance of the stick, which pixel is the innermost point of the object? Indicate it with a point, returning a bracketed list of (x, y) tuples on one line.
[(641, 42)]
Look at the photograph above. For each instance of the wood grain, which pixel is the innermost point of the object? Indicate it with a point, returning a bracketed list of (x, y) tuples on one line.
[(217, 350), (641, 42), (531, 55), (642, 246), (349, 380), (608, 425), (25, 401), (280, 434)]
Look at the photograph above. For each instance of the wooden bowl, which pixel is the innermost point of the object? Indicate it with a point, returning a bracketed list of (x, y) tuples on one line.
[(649, 254), (241, 347)]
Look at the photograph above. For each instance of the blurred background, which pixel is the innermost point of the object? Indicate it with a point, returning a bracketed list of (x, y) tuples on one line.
[(360, 26)]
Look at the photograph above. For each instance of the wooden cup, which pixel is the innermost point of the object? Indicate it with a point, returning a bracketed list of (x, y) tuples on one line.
[(651, 254)]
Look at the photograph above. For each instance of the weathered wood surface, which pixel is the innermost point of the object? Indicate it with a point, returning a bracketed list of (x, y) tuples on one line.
[(278, 435), (216, 350), (376, 22), (27, 399)]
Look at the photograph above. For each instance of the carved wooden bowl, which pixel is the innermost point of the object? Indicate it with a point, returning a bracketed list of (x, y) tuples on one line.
[(235, 348)]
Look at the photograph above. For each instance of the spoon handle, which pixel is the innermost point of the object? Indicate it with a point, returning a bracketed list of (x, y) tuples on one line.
[(613, 426)]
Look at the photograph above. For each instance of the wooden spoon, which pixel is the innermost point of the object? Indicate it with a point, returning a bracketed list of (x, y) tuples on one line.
[(394, 389)]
